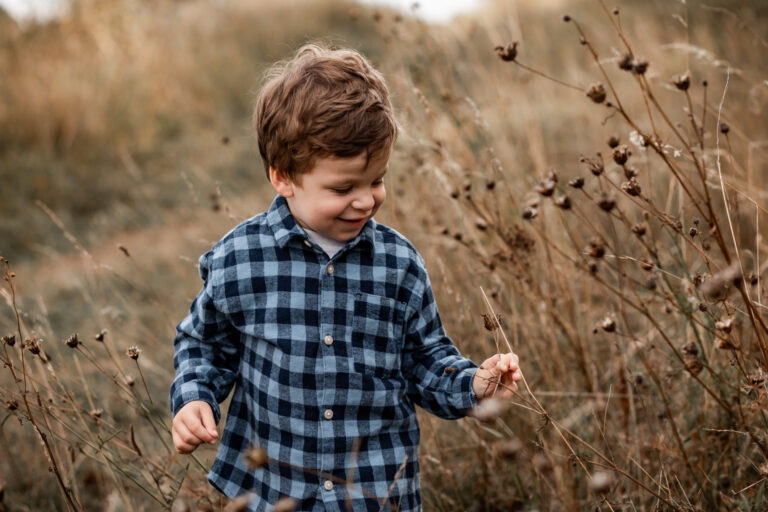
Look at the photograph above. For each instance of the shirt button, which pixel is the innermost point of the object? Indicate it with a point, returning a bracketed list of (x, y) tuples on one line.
[(329, 269), (328, 414), (328, 485), (328, 340), (307, 243)]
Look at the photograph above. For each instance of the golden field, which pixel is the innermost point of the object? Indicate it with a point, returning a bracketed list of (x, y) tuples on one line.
[(628, 274)]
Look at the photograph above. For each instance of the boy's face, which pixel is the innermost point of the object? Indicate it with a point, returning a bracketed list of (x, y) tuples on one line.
[(338, 195)]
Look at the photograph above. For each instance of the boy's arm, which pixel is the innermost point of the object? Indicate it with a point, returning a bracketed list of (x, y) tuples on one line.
[(205, 351), (439, 377)]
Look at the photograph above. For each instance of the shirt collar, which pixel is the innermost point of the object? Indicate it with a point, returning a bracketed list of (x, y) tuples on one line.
[(285, 227)]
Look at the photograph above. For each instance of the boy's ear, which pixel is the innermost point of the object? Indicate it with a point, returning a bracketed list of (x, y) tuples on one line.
[(282, 183)]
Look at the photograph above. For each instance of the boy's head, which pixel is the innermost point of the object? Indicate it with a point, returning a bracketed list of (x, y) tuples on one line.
[(325, 128), (322, 103)]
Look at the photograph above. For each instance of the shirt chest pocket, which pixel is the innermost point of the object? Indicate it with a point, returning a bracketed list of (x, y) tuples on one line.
[(377, 335)]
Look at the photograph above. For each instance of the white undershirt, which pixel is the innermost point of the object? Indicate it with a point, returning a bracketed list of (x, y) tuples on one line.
[(329, 245)]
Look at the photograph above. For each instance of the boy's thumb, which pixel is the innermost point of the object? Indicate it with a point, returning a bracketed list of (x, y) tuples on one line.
[(208, 421)]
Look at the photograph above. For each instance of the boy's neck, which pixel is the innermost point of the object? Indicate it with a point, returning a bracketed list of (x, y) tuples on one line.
[(329, 245)]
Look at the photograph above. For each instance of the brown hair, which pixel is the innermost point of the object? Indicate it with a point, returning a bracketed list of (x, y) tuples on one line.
[(323, 102)]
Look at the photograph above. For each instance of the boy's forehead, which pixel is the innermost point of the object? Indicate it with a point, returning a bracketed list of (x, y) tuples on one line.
[(358, 163)]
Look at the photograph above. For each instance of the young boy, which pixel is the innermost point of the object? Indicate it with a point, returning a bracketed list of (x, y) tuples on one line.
[(322, 319)]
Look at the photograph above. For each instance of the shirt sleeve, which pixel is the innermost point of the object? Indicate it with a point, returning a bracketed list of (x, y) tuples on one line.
[(439, 378), (206, 353)]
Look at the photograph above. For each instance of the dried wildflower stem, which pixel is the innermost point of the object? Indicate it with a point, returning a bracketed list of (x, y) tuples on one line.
[(47, 448), (544, 75)]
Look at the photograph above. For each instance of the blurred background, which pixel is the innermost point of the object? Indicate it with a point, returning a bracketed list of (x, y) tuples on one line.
[(126, 151)]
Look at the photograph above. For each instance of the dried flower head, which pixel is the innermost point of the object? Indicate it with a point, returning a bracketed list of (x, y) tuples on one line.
[(631, 187), (11, 404), (596, 167), (639, 67), (626, 62), (723, 341), (719, 284), (490, 408), (724, 324), (693, 232), (596, 248), (646, 264), (563, 202), (606, 203), (129, 380), (133, 352), (639, 229), (96, 413), (100, 335), (621, 154), (255, 457), (507, 53), (693, 364), (9, 340), (481, 224), (529, 212), (73, 341), (752, 278), (596, 92), (33, 344), (691, 348), (284, 504), (491, 322), (652, 282), (576, 182), (608, 323), (682, 82), (509, 448), (724, 128), (546, 186), (600, 482), (613, 141)]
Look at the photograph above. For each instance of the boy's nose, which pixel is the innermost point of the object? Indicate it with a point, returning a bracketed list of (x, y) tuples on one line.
[(364, 201)]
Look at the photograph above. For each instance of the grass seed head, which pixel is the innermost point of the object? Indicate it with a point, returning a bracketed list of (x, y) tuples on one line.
[(507, 53)]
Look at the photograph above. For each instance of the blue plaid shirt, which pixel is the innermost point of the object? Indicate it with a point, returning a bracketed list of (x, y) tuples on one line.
[(328, 359)]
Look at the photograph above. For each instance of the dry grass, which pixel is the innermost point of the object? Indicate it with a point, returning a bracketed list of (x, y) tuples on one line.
[(645, 357)]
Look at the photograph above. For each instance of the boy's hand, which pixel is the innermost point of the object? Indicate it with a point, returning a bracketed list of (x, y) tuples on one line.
[(497, 376), (193, 425)]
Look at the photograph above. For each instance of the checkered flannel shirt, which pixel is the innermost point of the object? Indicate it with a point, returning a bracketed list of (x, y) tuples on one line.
[(328, 359)]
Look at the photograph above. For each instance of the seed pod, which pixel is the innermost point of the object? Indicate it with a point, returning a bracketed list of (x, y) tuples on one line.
[(682, 82), (255, 457), (652, 282), (33, 345), (566, 18), (481, 224), (507, 53), (11, 404), (129, 380), (630, 172), (546, 186), (595, 166), (613, 141), (724, 324), (490, 184), (490, 322), (691, 348), (576, 182), (9, 340), (752, 278), (100, 335), (596, 92), (96, 413), (693, 232), (724, 128), (646, 264), (593, 268)]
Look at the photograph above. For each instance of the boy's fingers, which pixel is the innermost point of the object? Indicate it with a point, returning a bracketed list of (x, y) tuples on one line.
[(184, 440), (198, 430), (206, 415)]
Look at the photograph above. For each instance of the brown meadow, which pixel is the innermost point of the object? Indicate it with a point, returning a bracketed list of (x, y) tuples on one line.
[(584, 180)]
